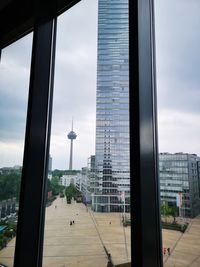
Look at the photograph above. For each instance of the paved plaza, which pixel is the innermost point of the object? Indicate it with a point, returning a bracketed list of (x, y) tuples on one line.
[(186, 249), (82, 243)]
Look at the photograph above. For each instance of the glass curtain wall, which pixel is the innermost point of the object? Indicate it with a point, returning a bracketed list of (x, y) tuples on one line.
[(112, 109)]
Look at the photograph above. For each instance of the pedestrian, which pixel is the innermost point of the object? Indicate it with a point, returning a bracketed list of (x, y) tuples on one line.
[(110, 223), (70, 222), (169, 252), (164, 251), (109, 257)]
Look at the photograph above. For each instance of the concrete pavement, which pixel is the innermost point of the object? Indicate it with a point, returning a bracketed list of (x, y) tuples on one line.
[(81, 244)]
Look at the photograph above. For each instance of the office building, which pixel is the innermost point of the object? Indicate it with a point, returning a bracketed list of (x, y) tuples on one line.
[(68, 179), (92, 174), (85, 185), (112, 108), (88, 181), (179, 175)]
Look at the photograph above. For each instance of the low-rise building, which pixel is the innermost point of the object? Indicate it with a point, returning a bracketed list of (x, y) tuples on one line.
[(68, 179), (88, 179)]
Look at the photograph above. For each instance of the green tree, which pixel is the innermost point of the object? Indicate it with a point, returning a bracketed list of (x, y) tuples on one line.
[(55, 186), (167, 211), (70, 191), (57, 173), (174, 213), (49, 186), (10, 185)]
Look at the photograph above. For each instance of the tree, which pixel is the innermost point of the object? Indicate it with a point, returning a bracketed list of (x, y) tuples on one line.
[(10, 185), (70, 191), (167, 211), (56, 188), (174, 213), (49, 186), (57, 173)]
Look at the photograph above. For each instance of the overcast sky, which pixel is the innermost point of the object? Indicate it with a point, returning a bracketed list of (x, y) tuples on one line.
[(178, 84), (178, 75)]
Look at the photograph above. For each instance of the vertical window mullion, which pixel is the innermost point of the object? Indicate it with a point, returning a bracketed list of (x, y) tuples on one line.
[(145, 197), (29, 241)]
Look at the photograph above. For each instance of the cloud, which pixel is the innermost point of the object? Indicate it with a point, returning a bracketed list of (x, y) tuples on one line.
[(178, 74), (83, 145), (178, 83), (14, 84), (178, 131), (75, 85), (11, 153), (177, 45), (74, 90)]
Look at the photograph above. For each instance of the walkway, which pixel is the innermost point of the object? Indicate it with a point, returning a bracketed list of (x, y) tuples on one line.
[(81, 244), (187, 250)]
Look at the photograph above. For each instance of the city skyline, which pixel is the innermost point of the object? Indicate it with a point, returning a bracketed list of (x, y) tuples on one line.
[(178, 82)]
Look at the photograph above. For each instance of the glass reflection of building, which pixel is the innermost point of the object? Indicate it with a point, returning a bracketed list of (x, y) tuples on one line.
[(112, 108), (179, 173)]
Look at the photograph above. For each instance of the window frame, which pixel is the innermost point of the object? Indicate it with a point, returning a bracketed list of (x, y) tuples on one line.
[(144, 167), (145, 195)]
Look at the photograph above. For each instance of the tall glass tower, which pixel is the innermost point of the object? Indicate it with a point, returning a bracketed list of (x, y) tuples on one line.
[(112, 108)]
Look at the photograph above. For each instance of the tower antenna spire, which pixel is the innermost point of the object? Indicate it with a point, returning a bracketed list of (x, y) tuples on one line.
[(71, 136)]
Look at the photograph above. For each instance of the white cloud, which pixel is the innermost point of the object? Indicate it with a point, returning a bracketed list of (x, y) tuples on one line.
[(178, 75), (178, 131), (11, 153), (178, 83), (75, 85), (74, 90)]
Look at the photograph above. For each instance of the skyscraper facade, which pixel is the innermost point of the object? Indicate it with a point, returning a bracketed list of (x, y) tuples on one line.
[(112, 108)]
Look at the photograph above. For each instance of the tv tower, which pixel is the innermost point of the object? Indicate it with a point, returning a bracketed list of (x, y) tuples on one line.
[(71, 135)]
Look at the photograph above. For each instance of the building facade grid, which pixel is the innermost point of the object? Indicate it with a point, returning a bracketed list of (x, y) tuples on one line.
[(179, 173), (112, 106)]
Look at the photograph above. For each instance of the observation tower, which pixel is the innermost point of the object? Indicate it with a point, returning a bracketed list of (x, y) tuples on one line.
[(71, 135)]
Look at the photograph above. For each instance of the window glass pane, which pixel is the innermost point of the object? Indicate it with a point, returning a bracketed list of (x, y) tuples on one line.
[(14, 84), (92, 88), (178, 86)]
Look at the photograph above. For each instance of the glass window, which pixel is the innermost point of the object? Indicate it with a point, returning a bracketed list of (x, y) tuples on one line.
[(178, 63), (14, 84), (89, 180)]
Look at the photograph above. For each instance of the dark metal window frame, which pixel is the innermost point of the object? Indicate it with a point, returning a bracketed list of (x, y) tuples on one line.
[(40, 16), (145, 196)]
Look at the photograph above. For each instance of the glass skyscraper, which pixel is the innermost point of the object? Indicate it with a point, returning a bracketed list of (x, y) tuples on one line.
[(112, 108)]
